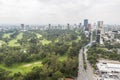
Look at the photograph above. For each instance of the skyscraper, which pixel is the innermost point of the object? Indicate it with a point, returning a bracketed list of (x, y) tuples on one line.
[(80, 24), (49, 26), (68, 26), (22, 26), (100, 32), (89, 27), (86, 24), (100, 24)]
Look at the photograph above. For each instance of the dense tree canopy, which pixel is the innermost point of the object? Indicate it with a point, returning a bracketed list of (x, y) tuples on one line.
[(47, 46)]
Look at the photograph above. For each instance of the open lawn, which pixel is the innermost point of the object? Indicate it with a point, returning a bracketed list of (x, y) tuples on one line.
[(14, 41), (62, 58), (19, 36), (1, 42), (79, 38), (23, 67), (56, 40), (44, 41), (7, 35), (38, 35), (26, 67)]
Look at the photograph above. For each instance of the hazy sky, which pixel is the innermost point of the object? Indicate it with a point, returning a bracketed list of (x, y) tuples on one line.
[(59, 11)]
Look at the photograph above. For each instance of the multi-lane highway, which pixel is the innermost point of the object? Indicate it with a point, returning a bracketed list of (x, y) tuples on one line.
[(89, 70), (82, 73)]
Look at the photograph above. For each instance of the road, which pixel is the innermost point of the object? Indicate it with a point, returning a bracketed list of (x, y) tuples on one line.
[(82, 73), (89, 70)]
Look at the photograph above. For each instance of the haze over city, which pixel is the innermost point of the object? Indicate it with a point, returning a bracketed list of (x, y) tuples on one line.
[(59, 40), (58, 11)]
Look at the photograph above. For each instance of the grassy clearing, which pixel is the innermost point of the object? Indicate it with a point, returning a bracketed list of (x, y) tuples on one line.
[(14, 41), (23, 67), (56, 40), (38, 35), (1, 42), (7, 35), (19, 36), (44, 41), (63, 58), (79, 38), (104, 49)]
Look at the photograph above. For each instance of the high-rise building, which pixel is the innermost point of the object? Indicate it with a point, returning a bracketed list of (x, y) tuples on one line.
[(100, 24), (86, 24), (68, 26), (89, 27), (80, 24), (100, 32), (27, 27), (100, 27), (49, 26), (22, 27), (59, 26)]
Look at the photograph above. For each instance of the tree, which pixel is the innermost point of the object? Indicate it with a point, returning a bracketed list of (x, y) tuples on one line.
[(9, 60), (4, 75), (57, 75)]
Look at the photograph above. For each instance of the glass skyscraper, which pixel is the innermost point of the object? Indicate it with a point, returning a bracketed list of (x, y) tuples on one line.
[(86, 24)]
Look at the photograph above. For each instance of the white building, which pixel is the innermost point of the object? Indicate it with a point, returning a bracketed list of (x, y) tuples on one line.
[(109, 71)]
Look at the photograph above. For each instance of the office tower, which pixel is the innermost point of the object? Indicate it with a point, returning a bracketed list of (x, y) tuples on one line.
[(86, 24), (100, 32), (89, 27), (59, 26), (100, 24), (49, 26), (100, 27), (80, 24), (68, 26), (22, 26), (91, 36), (27, 27)]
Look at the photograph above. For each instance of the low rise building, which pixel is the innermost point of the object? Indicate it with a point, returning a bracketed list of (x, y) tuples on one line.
[(109, 71)]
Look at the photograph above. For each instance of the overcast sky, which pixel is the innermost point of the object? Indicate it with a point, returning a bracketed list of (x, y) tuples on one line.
[(59, 11)]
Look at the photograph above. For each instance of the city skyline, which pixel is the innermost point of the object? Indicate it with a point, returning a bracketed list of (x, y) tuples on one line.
[(58, 12)]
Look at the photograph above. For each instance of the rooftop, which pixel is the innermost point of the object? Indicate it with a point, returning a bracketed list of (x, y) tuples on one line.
[(108, 67)]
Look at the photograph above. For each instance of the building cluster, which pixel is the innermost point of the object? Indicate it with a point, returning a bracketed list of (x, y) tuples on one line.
[(99, 32), (111, 37), (87, 25), (108, 28), (106, 32), (103, 32), (108, 70), (24, 27), (109, 33)]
